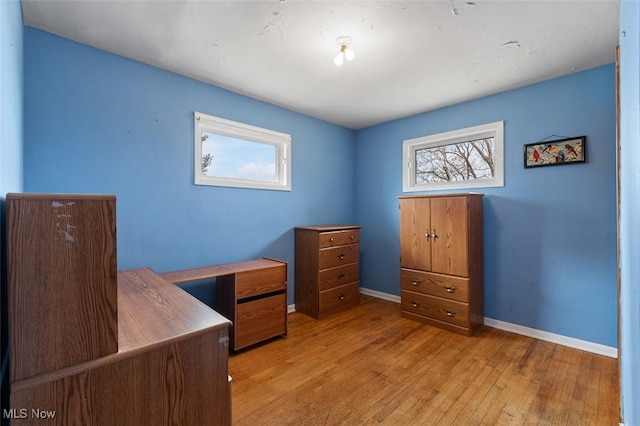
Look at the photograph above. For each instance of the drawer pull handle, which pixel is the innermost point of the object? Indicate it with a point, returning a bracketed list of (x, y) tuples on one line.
[(415, 281), (426, 234), (352, 236), (450, 288), (415, 304), (341, 297), (434, 234), (450, 313), (331, 239), (341, 276), (341, 257)]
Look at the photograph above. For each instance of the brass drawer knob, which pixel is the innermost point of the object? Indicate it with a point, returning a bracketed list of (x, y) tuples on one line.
[(415, 304), (341, 257), (450, 288), (450, 313), (415, 281), (341, 297)]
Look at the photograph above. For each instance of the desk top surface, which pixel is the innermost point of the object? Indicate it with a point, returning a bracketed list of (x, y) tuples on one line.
[(325, 228), (220, 270), (152, 310)]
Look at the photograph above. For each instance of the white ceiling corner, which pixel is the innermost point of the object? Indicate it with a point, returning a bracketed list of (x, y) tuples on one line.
[(411, 56)]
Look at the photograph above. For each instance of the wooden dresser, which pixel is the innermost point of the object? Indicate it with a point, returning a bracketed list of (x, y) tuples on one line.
[(92, 346), (327, 269), (441, 261)]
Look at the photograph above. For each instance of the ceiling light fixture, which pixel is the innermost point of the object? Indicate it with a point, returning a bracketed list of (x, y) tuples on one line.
[(345, 52)]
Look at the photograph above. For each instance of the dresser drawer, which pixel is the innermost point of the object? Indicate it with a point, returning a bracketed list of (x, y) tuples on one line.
[(435, 307), (260, 319), (343, 296), (260, 281), (338, 256), (338, 238), (445, 286), (341, 275)]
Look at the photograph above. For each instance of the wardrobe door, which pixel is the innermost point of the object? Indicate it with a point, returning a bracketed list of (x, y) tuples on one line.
[(415, 237), (450, 236)]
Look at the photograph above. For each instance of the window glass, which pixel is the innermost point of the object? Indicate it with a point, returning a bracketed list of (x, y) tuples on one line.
[(229, 153), (456, 162), (466, 158), (227, 157)]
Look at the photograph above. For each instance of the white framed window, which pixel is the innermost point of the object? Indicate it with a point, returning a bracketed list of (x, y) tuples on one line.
[(460, 159), (229, 153)]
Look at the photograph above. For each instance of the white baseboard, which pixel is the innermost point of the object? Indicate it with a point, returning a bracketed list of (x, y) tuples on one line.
[(380, 295), (571, 342)]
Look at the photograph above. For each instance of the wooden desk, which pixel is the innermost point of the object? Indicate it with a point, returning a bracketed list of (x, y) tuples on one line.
[(252, 294), (171, 365), (93, 346)]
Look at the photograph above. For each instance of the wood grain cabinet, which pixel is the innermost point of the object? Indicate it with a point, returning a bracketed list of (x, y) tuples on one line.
[(251, 293), (327, 269), (255, 300), (61, 258), (441, 261), (93, 346)]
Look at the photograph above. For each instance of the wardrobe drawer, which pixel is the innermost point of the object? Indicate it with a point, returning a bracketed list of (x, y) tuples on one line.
[(260, 319), (435, 307), (338, 238), (260, 281), (341, 275), (338, 256), (343, 296), (445, 286)]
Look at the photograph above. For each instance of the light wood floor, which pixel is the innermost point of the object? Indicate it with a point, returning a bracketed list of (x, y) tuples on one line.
[(369, 366)]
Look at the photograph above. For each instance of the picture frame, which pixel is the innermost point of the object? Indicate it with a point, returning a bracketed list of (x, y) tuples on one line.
[(554, 153)]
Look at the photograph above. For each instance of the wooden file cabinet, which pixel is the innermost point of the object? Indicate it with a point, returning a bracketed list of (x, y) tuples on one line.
[(252, 294), (327, 269), (255, 300), (441, 261)]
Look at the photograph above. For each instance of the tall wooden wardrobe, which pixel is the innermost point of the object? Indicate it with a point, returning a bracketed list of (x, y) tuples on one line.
[(441, 261)]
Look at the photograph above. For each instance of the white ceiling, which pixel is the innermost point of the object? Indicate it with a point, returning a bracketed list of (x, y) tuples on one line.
[(411, 56)]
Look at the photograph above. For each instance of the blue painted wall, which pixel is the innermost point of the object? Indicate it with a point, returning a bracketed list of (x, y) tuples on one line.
[(100, 123), (550, 233), (10, 97), (11, 46), (630, 210)]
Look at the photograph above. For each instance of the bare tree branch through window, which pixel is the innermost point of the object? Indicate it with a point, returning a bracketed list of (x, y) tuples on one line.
[(462, 161)]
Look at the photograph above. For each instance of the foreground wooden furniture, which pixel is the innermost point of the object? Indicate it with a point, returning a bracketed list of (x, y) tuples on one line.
[(61, 261), (441, 261), (252, 294), (169, 365), (327, 269)]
